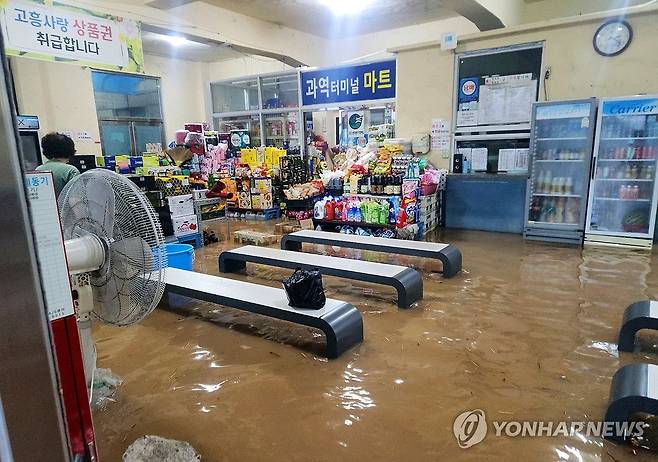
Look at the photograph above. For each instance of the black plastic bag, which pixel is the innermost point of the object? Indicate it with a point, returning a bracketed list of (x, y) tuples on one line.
[(304, 289)]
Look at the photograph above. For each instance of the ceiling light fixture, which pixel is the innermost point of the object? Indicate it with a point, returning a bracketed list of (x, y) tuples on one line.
[(175, 40), (346, 7)]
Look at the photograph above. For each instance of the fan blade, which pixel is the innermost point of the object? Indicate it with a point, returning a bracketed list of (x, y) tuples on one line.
[(100, 204), (130, 258)]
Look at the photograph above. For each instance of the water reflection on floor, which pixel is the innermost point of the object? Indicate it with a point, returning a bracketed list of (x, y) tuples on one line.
[(526, 332)]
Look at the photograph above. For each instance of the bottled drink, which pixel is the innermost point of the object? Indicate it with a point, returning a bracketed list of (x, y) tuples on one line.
[(559, 210), (568, 187), (636, 192), (364, 186), (571, 212), (550, 211), (539, 183), (548, 183)]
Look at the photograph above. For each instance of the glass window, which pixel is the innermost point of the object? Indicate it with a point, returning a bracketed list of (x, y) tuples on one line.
[(116, 138), (239, 95), (126, 96), (282, 129), (129, 112), (280, 91), (248, 123)]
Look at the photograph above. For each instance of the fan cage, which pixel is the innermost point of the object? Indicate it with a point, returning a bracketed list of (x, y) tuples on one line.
[(131, 282)]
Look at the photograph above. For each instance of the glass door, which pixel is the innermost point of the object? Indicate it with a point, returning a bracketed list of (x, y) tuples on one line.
[(560, 156), (623, 193)]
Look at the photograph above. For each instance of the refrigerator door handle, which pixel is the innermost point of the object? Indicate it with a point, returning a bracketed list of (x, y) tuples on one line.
[(592, 168)]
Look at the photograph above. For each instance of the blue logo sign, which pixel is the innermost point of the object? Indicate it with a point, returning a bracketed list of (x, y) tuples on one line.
[(343, 84), (630, 107), (469, 90)]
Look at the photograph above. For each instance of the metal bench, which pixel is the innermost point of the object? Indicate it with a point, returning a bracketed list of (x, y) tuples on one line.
[(341, 322), (406, 281), (638, 315), (448, 254), (634, 389)]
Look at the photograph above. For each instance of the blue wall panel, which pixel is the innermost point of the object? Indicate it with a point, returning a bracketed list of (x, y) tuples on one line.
[(486, 202)]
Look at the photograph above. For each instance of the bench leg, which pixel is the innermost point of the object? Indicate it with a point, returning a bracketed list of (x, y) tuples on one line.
[(289, 244), (343, 328), (228, 265), (451, 258), (629, 394), (409, 284)]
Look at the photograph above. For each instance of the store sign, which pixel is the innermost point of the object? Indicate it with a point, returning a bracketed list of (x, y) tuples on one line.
[(631, 106), (344, 84), (58, 32), (468, 89), (563, 111), (356, 128)]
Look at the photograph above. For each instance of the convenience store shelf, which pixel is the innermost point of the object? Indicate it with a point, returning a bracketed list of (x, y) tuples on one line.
[(371, 196), (616, 199), (631, 138), (562, 139), (627, 160), (555, 195), (353, 223), (623, 179), (558, 160)]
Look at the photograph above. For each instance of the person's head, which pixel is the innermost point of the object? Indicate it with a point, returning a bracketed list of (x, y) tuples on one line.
[(57, 146)]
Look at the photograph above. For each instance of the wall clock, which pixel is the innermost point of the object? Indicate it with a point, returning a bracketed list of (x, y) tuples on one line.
[(612, 37)]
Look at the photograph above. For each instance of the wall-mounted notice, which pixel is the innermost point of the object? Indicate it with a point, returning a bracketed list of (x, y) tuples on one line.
[(478, 159), (440, 134), (54, 31), (496, 100), (83, 136), (513, 160), (49, 244)]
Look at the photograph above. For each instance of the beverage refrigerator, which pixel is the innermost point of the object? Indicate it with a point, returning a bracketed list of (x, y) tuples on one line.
[(562, 134), (623, 193)]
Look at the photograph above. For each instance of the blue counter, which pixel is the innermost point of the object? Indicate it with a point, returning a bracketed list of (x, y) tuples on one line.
[(487, 202)]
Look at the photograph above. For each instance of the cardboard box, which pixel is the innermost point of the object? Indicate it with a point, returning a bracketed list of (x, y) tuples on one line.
[(185, 225), (180, 206)]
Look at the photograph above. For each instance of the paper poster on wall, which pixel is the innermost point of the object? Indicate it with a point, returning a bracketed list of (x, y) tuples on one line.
[(440, 135), (467, 117), (54, 31), (507, 99), (495, 100), (479, 157), (83, 136), (49, 244)]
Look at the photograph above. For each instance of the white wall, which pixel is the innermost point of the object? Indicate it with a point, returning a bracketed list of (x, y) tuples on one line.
[(61, 95), (183, 95), (426, 74)]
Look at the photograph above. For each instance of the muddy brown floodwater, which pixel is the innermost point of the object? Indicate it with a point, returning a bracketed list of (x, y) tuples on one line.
[(526, 332)]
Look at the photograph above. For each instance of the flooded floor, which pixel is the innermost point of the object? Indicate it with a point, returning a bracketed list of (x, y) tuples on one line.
[(526, 332)]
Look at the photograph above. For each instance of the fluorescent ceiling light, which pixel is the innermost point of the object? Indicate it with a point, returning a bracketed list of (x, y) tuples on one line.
[(175, 40), (346, 7)]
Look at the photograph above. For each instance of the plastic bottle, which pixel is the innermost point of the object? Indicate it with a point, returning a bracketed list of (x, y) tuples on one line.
[(383, 212), (318, 210), (329, 208), (539, 183), (357, 211), (548, 183), (559, 210), (568, 188), (466, 165)]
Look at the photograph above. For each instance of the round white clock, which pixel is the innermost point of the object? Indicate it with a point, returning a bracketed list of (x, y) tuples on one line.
[(612, 37)]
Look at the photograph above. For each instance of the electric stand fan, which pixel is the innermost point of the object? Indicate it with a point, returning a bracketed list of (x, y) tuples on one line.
[(115, 252)]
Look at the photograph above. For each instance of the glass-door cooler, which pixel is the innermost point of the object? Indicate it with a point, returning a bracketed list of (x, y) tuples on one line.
[(562, 134), (622, 198)]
